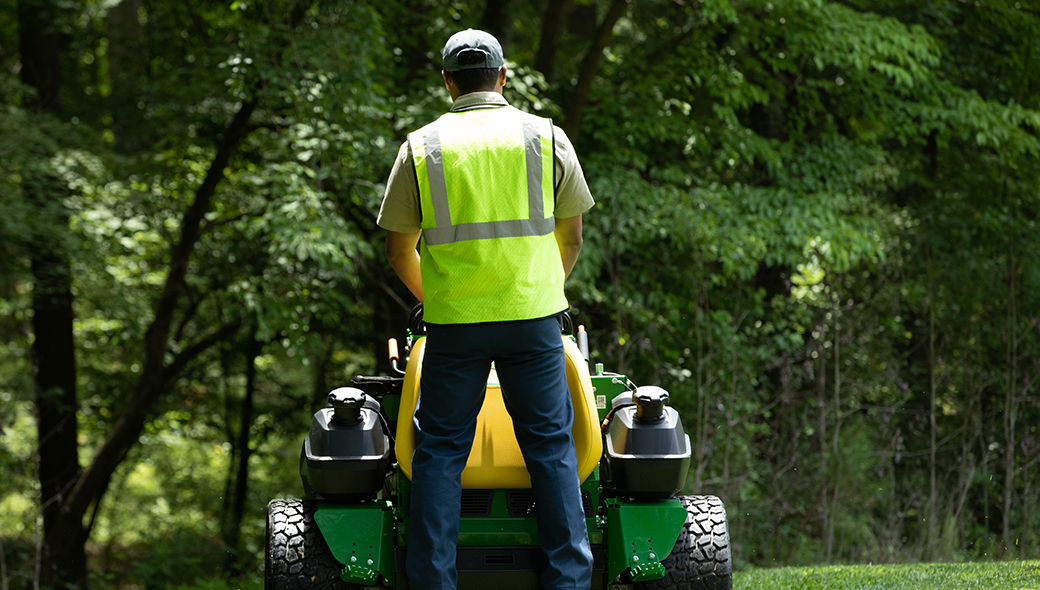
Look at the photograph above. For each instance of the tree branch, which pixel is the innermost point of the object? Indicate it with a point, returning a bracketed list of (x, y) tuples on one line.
[(552, 33), (155, 374), (210, 226), (92, 484), (186, 317), (189, 354), (670, 45), (196, 20), (589, 67)]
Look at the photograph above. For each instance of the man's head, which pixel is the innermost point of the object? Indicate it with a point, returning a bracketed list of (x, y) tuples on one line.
[(473, 62)]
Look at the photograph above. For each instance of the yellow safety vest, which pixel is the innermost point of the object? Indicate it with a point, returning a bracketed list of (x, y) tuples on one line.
[(488, 252)]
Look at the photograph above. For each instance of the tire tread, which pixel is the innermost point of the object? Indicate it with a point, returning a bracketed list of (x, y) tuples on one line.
[(701, 558), (297, 556)]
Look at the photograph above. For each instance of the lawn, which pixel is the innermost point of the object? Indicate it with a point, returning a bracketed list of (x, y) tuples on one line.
[(1009, 575)]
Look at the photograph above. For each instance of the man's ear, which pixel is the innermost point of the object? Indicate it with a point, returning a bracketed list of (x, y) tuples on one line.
[(453, 90), (502, 75)]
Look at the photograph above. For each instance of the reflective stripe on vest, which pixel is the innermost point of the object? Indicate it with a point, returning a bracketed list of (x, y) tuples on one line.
[(429, 159), (488, 252)]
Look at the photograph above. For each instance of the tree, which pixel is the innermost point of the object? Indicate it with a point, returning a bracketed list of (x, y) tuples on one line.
[(54, 359)]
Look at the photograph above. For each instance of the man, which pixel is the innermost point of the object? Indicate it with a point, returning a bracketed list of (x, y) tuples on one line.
[(496, 195)]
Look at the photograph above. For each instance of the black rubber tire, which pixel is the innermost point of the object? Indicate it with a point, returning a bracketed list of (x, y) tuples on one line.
[(701, 558), (297, 556)]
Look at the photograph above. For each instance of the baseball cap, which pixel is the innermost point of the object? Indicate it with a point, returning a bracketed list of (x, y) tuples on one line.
[(471, 49)]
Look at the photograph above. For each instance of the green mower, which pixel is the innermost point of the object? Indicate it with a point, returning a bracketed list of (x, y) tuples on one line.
[(351, 529)]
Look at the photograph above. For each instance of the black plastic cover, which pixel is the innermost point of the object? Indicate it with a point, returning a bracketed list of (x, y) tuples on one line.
[(346, 455), (647, 452)]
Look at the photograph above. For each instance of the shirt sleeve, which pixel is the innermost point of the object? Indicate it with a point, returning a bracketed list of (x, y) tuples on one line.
[(400, 209), (572, 192)]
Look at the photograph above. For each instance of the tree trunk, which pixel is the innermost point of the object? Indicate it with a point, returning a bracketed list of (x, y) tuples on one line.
[(616, 271), (410, 16), (1026, 501), (226, 369), (127, 63), (552, 33), (972, 430), (702, 371), (54, 367), (1010, 403), (701, 424), (498, 20), (832, 512), (39, 48), (232, 534), (984, 452), (731, 403), (320, 387), (63, 561), (589, 67), (932, 528), (821, 425)]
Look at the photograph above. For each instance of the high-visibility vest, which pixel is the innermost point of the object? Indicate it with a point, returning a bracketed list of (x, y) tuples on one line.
[(488, 252)]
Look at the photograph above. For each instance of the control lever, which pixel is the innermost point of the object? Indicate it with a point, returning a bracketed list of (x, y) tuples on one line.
[(583, 342), (395, 358)]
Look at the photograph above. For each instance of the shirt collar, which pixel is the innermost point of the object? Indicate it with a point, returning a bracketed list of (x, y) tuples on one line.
[(478, 100)]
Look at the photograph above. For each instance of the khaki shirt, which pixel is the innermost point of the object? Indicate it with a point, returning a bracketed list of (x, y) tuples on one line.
[(400, 211)]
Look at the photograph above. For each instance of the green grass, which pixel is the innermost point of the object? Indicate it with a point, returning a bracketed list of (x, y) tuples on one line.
[(1007, 575)]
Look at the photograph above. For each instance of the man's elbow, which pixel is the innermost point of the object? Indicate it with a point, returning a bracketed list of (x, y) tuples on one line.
[(400, 247), (572, 246), (396, 257), (568, 232)]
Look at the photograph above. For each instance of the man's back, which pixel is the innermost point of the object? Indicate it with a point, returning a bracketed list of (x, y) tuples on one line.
[(487, 201), (495, 251)]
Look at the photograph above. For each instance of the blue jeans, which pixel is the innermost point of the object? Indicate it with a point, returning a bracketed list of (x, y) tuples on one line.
[(530, 363)]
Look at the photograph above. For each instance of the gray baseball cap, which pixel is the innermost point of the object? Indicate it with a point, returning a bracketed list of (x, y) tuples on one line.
[(471, 49)]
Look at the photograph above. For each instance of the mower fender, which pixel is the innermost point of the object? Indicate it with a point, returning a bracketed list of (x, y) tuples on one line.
[(640, 534), (361, 537)]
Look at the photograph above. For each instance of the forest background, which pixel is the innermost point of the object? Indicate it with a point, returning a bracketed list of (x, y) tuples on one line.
[(816, 226)]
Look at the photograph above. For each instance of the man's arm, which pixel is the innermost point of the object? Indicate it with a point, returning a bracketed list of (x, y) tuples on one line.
[(568, 238), (400, 252)]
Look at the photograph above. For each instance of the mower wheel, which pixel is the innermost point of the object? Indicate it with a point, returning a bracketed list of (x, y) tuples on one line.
[(297, 556), (700, 559)]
